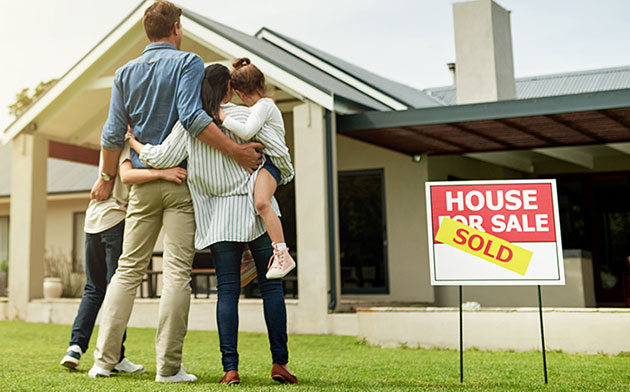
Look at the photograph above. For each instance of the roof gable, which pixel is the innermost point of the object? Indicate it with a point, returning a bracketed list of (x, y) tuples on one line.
[(285, 61), (400, 95)]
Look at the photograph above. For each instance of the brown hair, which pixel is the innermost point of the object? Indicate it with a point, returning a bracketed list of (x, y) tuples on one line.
[(159, 19), (247, 78)]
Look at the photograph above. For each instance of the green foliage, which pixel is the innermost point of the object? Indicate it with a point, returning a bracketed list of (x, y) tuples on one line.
[(25, 98), (4, 265), (30, 355)]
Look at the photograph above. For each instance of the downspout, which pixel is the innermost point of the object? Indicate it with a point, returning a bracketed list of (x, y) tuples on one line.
[(332, 253)]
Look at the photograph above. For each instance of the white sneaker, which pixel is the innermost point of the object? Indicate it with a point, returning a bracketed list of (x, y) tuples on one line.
[(72, 357), (99, 372), (126, 366), (181, 376), (280, 264)]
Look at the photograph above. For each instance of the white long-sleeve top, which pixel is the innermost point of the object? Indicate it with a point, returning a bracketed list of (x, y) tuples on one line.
[(265, 112), (221, 189)]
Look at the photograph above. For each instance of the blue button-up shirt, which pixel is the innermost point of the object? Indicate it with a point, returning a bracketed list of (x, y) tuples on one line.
[(151, 93)]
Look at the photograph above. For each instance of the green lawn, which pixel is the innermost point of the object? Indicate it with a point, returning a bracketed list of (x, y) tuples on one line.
[(29, 356)]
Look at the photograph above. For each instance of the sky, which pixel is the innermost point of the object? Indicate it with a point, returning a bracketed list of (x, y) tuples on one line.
[(409, 41)]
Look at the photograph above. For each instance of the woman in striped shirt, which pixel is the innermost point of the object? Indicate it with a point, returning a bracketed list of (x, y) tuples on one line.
[(222, 191)]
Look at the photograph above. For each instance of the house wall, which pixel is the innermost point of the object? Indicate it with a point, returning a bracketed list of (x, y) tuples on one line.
[(407, 262), (60, 224)]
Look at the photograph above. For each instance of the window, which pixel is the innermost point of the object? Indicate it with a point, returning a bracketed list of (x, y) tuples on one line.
[(4, 238), (362, 232), (78, 247)]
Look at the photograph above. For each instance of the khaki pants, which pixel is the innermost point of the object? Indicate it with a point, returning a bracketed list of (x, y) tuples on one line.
[(151, 206)]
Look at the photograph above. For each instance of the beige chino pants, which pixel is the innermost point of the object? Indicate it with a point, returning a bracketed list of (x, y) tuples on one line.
[(152, 206)]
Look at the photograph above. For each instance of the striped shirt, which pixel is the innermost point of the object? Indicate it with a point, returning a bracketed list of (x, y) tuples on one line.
[(265, 112), (221, 189)]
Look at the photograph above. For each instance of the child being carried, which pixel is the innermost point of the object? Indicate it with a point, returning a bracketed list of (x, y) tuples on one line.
[(249, 83)]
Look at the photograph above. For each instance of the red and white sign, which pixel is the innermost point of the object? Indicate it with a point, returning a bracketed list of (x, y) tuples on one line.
[(494, 233)]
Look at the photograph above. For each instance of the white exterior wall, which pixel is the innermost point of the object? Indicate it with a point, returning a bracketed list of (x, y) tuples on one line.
[(589, 331), (311, 201), (60, 223), (408, 264), (27, 228)]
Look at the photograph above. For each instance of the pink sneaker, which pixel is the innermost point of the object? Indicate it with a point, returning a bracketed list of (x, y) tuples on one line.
[(248, 267), (280, 264)]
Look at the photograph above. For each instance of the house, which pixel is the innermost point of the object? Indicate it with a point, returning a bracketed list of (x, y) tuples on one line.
[(363, 146)]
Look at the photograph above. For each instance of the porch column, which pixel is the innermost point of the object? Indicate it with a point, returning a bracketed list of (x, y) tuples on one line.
[(28, 222), (312, 222)]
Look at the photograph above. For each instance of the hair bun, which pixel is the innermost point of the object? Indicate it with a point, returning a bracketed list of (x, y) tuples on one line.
[(238, 63)]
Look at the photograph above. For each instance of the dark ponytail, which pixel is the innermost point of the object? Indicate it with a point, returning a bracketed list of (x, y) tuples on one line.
[(213, 88)]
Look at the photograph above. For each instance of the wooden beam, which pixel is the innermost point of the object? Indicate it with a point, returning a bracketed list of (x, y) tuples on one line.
[(421, 132), (537, 135), (493, 139), (615, 118), (577, 128), (571, 155), (621, 147), (73, 153), (509, 159)]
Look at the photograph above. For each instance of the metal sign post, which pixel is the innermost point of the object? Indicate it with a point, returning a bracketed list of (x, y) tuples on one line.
[(542, 332), (461, 338)]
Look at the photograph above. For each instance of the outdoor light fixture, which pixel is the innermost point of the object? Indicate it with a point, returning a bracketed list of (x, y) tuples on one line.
[(417, 158)]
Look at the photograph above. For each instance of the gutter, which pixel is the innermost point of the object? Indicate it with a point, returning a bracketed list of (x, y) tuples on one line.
[(332, 252)]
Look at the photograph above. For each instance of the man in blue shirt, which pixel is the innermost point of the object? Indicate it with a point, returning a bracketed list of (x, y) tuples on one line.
[(150, 93)]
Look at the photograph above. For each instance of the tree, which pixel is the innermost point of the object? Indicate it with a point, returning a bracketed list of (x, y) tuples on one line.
[(24, 98)]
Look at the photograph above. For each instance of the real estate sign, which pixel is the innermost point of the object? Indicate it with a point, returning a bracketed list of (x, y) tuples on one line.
[(494, 233)]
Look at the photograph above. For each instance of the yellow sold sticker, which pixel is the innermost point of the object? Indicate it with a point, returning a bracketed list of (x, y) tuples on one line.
[(484, 245)]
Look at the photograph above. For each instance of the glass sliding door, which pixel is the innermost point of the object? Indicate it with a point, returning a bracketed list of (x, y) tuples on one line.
[(362, 232)]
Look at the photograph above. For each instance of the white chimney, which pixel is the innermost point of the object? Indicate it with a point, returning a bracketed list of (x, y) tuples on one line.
[(483, 50)]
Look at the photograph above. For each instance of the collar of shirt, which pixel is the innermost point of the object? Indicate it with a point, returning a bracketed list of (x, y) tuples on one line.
[(158, 45)]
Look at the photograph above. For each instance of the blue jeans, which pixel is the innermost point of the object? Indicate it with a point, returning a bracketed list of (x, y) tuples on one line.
[(102, 251), (227, 262)]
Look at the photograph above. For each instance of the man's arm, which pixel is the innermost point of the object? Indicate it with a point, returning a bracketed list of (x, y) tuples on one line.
[(102, 189), (112, 141), (199, 124)]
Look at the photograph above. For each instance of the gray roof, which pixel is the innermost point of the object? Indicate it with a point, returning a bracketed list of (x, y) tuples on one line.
[(410, 96), (63, 176), (567, 83), (296, 66)]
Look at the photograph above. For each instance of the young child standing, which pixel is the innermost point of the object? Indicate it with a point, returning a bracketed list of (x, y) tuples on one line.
[(249, 84)]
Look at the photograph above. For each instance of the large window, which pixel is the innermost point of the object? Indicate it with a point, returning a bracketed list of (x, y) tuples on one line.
[(4, 238), (362, 232), (78, 248)]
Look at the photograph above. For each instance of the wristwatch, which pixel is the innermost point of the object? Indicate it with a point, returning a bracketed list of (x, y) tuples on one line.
[(106, 177)]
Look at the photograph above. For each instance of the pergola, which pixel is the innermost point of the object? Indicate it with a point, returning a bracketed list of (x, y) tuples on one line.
[(574, 129)]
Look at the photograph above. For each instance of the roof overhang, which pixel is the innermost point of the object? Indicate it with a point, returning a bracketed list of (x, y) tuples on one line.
[(570, 120)]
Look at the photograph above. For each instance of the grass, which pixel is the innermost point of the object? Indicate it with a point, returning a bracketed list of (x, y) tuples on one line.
[(29, 356)]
